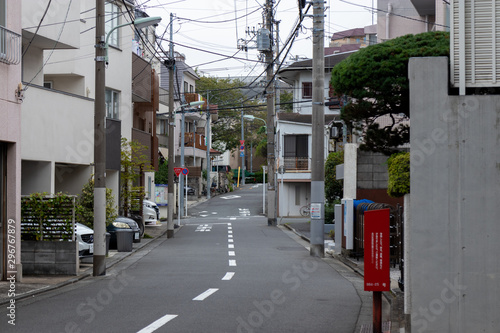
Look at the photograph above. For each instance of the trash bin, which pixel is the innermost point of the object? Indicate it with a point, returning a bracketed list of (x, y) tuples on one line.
[(124, 240)]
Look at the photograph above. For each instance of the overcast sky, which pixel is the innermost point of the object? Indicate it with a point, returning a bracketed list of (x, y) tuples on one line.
[(203, 26)]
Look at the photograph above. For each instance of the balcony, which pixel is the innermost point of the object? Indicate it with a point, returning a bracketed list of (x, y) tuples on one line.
[(296, 164), (10, 47), (197, 140)]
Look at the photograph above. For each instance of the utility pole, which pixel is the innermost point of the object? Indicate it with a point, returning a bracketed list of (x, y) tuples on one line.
[(99, 265), (276, 81), (318, 133), (99, 262), (271, 186), (242, 152), (207, 135), (171, 129)]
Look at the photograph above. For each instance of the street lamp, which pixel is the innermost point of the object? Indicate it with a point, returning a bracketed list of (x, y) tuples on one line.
[(99, 260), (181, 179), (250, 117)]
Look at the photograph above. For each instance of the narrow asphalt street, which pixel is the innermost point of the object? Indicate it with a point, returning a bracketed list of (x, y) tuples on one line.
[(225, 270)]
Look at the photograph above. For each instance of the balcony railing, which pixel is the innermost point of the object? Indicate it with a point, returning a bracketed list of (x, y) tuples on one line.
[(296, 163), (198, 141), (10, 47)]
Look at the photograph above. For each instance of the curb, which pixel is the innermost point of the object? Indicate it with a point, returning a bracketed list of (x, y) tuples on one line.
[(83, 275)]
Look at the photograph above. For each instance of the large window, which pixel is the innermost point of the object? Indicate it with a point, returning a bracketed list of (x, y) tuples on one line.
[(307, 90), (3, 12), (296, 152), (112, 104), (112, 20)]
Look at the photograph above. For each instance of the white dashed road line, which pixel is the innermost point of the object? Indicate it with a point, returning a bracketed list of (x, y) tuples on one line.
[(228, 276), (157, 324), (204, 295), (231, 253), (232, 262)]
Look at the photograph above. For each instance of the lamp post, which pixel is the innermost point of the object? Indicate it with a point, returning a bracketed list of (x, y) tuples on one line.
[(99, 260), (181, 179)]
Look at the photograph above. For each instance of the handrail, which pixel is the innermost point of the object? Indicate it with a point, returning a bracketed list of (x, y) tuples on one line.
[(10, 47)]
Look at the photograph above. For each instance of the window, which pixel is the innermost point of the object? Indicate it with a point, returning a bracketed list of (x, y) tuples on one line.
[(48, 84), (307, 91), (112, 104), (295, 146), (112, 15), (296, 152), (163, 126), (186, 85), (191, 88), (3, 12)]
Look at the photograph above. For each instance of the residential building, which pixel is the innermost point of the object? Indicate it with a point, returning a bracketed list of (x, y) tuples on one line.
[(191, 121), (11, 97), (353, 39), (402, 17)]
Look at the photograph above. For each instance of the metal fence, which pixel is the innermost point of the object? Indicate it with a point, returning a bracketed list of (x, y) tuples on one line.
[(396, 231), (10, 47)]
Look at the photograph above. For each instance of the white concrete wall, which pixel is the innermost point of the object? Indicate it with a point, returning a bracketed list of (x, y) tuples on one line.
[(57, 127), (67, 35), (455, 186), (306, 108), (350, 170)]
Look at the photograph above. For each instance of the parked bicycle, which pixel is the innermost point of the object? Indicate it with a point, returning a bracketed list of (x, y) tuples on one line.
[(305, 210)]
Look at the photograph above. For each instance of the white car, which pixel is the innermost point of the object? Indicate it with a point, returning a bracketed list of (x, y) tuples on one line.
[(85, 238), (150, 211)]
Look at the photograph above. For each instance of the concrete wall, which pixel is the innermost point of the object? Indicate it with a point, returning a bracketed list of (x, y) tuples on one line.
[(455, 186), (350, 170), (10, 136), (50, 258), (372, 170)]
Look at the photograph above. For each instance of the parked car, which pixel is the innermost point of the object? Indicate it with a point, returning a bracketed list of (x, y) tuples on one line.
[(123, 223), (150, 211), (85, 238), (190, 190)]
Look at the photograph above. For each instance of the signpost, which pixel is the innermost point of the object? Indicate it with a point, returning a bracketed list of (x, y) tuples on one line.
[(377, 259), (177, 171), (185, 172)]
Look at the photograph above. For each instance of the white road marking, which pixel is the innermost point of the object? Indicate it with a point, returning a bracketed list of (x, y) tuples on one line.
[(230, 246), (232, 262), (204, 295), (228, 276), (244, 211), (230, 232), (229, 228), (229, 223), (203, 215), (229, 236), (231, 197), (230, 240), (157, 324), (232, 218), (231, 253)]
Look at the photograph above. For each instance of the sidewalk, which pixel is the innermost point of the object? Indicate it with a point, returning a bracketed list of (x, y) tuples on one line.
[(33, 285), (392, 300)]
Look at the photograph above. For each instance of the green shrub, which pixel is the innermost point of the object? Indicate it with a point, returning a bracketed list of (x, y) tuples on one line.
[(399, 174), (329, 213)]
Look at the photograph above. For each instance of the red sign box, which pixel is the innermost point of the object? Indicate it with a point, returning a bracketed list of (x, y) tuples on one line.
[(377, 255), (177, 171)]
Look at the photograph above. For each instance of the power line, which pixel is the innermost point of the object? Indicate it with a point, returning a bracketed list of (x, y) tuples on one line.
[(38, 27)]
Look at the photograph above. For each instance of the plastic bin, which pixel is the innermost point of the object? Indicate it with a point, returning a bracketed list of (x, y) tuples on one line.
[(124, 240)]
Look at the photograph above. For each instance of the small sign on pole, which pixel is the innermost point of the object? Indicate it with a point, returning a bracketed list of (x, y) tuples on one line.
[(185, 171), (177, 171)]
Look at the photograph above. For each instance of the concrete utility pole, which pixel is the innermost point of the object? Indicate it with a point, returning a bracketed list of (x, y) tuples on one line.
[(99, 266), (171, 129), (207, 135), (242, 152), (271, 187), (318, 133)]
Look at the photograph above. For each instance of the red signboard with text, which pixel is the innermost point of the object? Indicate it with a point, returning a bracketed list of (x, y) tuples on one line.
[(377, 254)]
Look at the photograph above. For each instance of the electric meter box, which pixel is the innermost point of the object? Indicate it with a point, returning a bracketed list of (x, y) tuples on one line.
[(263, 40)]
